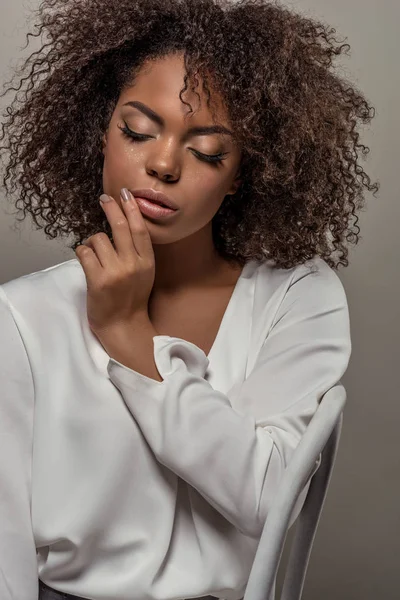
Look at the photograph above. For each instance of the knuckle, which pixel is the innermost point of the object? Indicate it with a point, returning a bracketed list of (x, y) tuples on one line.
[(131, 270), (105, 284), (139, 228), (101, 238), (121, 223)]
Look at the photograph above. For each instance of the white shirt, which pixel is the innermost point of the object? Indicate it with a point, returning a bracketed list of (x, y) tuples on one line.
[(115, 486)]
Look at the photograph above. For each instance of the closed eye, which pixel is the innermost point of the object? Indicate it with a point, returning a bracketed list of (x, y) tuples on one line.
[(140, 137)]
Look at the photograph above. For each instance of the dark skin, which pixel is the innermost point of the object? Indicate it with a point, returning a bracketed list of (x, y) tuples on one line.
[(185, 256)]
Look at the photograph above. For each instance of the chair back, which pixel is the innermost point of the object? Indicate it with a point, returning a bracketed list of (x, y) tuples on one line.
[(321, 439)]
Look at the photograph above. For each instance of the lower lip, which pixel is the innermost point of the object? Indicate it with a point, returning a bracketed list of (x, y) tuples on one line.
[(150, 209)]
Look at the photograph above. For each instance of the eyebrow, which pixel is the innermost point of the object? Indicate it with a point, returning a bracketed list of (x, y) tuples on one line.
[(211, 129)]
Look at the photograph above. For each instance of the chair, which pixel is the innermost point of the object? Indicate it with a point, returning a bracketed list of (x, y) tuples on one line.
[(320, 438)]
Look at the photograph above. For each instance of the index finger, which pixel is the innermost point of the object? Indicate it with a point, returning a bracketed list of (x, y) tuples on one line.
[(120, 221)]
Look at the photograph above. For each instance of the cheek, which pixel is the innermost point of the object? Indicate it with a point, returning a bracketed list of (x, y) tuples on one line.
[(118, 162), (205, 204), (212, 189)]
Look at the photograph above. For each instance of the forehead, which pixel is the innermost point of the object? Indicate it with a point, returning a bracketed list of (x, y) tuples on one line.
[(158, 83)]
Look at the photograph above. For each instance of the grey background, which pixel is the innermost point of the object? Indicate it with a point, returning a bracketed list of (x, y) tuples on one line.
[(357, 549)]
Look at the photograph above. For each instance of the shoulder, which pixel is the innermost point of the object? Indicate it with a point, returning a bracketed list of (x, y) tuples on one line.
[(311, 284), (62, 279), (46, 295), (319, 284), (311, 279)]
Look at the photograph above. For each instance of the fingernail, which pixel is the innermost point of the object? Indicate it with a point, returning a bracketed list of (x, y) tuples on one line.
[(126, 195), (105, 198)]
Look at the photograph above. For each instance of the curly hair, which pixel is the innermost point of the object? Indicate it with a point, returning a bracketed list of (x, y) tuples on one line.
[(294, 119)]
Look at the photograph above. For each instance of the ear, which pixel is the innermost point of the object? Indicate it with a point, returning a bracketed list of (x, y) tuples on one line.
[(104, 141), (236, 184)]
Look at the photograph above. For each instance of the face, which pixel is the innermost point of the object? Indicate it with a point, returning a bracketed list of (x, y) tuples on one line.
[(168, 158)]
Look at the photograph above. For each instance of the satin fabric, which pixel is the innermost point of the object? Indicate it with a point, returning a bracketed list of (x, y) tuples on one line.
[(115, 486)]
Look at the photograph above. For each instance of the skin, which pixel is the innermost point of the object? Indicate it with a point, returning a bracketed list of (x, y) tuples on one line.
[(185, 256)]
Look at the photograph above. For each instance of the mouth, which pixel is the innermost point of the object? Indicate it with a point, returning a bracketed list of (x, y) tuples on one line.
[(152, 210), (156, 197)]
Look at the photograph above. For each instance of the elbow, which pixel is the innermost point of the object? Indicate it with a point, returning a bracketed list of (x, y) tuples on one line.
[(252, 521), (265, 496), (289, 507)]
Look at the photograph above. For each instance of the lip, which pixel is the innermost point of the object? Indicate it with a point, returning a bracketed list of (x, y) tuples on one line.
[(152, 210), (154, 196)]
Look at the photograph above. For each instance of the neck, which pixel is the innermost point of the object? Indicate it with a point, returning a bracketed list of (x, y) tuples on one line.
[(190, 262)]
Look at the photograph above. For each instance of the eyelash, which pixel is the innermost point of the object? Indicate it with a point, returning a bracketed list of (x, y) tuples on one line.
[(139, 137)]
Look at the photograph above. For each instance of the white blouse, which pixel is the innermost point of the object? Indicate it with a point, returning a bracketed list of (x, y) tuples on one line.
[(115, 486)]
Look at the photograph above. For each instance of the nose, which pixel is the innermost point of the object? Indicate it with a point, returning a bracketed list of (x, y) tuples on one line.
[(163, 164), (164, 176)]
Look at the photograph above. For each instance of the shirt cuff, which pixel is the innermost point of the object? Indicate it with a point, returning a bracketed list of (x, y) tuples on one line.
[(171, 354)]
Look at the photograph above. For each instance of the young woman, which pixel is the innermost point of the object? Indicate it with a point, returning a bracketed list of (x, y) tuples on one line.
[(155, 387)]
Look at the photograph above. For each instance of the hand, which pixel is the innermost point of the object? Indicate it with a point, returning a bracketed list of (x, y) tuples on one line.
[(119, 282)]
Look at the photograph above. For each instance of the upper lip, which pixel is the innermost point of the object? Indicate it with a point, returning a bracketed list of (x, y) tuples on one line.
[(154, 196)]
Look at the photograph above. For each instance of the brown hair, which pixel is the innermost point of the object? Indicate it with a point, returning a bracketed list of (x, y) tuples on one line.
[(294, 118)]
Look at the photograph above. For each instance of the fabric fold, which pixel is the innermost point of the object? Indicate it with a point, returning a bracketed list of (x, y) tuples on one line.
[(235, 454), (115, 485)]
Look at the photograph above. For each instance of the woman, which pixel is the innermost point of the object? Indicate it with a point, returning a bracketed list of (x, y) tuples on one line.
[(156, 386)]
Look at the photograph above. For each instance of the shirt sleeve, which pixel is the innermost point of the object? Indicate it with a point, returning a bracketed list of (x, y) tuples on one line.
[(18, 563), (235, 454)]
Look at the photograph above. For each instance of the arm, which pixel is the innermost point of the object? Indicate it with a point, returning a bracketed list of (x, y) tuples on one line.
[(235, 455), (18, 564)]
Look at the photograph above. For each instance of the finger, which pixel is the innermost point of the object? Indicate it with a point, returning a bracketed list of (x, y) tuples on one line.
[(103, 250), (137, 225), (121, 227), (90, 263)]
